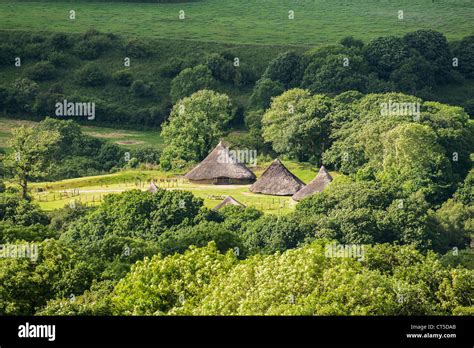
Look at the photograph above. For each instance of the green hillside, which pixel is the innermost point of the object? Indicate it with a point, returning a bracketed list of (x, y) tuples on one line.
[(267, 22)]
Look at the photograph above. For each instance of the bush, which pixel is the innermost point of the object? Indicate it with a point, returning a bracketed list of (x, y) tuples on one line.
[(7, 54), (222, 69), (264, 90), (386, 54), (93, 46), (60, 41), (141, 89), (58, 59), (286, 69), (191, 80), (41, 71), (350, 42), (136, 48), (91, 75), (123, 78)]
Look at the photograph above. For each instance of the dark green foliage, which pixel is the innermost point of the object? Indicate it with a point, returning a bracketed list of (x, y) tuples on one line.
[(200, 235), (20, 212), (60, 41), (264, 90), (136, 214), (191, 80), (146, 154), (414, 75), (91, 75), (93, 45), (386, 54), (336, 74), (7, 55), (270, 234), (221, 68), (136, 48), (141, 89), (123, 78), (41, 71), (433, 46), (286, 69), (351, 42), (464, 51)]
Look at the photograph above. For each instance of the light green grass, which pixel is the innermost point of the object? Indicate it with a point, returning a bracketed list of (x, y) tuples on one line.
[(91, 190), (246, 21), (124, 137)]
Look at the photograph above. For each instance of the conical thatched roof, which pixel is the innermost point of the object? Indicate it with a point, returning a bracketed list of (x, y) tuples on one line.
[(229, 200), (220, 164), (277, 180), (152, 188), (318, 184)]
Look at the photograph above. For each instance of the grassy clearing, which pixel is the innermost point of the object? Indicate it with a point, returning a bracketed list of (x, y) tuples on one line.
[(91, 190), (266, 22), (123, 137)]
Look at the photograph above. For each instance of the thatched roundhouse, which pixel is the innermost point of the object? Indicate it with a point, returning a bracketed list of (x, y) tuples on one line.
[(277, 180), (229, 200), (153, 188), (318, 184), (220, 168)]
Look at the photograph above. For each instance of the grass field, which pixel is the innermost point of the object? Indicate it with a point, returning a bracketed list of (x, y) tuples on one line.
[(91, 190), (123, 137), (264, 22)]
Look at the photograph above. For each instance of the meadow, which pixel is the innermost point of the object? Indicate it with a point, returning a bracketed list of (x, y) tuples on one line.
[(262, 22), (91, 190)]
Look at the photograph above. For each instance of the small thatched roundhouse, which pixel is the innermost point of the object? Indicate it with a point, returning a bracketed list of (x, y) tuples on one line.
[(277, 180), (153, 188), (220, 168), (318, 184), (229, 200)]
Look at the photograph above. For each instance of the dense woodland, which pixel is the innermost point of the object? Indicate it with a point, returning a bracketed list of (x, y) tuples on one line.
[(405, 189)]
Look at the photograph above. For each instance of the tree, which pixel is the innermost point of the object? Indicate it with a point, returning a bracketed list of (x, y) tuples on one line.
[(32, 150), (414, 160), (195, 125), (270, 234), (163, 285), (433, 46), (41, 71), (286, 69), (135, 214), (123, 78), (91, 75), (464, 51), (141, 89), (385, 54), (335, 74), (297, 124), (191, 80), (221, 68), (263, 92), (27, 283), (414, 75), (351, 42)]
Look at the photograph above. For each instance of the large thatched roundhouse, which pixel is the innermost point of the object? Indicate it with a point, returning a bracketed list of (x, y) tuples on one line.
[(318, 184), (229, 200), (220, 168), (277, 180)]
